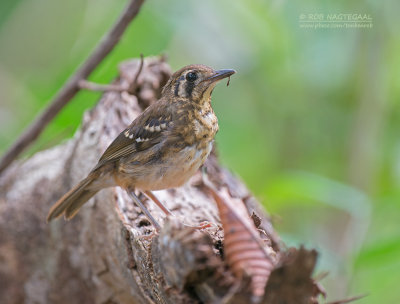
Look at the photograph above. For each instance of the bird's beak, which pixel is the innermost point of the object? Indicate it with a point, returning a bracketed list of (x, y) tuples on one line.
[(220, 74)]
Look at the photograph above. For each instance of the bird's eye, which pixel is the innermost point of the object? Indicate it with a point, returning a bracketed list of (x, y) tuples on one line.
[(191, 76)]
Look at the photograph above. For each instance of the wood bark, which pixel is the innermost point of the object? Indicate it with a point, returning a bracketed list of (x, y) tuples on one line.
[(107, 253)]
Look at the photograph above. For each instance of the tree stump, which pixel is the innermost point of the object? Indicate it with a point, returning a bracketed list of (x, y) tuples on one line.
[(106, 254)]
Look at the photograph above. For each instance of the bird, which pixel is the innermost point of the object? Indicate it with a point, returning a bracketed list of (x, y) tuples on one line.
[(162, 148)]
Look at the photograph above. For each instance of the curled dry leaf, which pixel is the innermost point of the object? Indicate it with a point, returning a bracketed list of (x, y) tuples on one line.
[(243, 247)]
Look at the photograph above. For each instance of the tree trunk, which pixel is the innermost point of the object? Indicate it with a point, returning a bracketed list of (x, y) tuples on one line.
[(103, 255)]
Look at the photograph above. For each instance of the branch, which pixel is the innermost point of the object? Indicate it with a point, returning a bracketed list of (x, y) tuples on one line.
[(130, 88), (71, 87)]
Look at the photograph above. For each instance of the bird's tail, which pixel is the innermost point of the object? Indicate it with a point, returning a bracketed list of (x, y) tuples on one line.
[(73, 200)]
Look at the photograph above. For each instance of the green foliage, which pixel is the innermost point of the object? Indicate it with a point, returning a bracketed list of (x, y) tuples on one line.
[(310, 121)]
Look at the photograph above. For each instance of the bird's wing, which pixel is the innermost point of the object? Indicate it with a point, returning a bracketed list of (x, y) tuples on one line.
[(145, 132)]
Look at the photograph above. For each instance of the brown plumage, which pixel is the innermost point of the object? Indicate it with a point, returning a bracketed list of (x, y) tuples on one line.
[(162, 148)]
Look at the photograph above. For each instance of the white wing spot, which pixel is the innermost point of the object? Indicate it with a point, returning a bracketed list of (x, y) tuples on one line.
[(126, 133), (131, 136), (139, 139)]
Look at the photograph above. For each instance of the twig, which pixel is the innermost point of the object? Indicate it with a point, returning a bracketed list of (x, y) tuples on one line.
[(321, 276), (348, 300), (133, 85), (71, 87), (92, 86)]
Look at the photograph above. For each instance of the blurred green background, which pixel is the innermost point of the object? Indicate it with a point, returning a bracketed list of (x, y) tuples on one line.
[(310, 122)]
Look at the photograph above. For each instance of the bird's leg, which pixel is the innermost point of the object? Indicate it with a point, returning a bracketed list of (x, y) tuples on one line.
[(168, 212), (154, 198), (144, 209)]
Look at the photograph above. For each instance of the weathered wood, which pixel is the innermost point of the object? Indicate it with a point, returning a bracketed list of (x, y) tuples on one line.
[(103, 255)]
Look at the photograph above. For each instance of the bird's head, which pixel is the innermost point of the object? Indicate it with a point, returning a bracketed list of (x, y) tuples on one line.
[(194, 82)]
